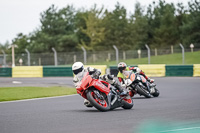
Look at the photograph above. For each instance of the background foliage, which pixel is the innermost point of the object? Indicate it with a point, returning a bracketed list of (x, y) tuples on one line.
[(159, 25)]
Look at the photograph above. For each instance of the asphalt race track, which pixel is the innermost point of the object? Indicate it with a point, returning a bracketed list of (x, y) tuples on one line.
[(42, 82), (178, 106)]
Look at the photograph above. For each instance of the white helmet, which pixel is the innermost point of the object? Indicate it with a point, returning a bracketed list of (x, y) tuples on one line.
[(77, 68), (122, 66)]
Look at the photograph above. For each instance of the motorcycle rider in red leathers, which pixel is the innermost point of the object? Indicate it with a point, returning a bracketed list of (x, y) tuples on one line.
[(79, 71), (123, 67)]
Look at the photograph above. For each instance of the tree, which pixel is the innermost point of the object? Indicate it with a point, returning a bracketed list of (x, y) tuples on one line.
[(22, 41), (138, 28), (81, 24), (165, 28), (181, 19), (57, 30), (93, 29), (116, 33), (191, 29)]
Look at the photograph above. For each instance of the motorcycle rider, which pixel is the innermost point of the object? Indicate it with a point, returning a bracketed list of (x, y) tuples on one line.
[(79, 71), (123, 67)]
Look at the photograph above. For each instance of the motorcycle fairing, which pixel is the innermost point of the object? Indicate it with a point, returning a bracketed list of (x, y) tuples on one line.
[(88, 81), (99, 84)]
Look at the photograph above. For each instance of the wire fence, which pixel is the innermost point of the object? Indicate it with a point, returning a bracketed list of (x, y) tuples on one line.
[(95, 57)]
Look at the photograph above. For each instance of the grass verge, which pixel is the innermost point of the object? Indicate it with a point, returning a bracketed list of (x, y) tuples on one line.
[(170, 59), (19, 93)]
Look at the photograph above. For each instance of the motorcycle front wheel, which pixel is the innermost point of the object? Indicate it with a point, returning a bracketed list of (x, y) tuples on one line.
[(156, 93), (99, 103), (143, 92)]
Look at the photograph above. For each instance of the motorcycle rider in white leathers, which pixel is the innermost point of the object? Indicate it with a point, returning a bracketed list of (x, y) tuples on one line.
[(79, 71)]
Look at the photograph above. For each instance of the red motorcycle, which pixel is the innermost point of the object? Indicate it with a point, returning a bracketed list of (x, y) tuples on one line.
[(102, 95)]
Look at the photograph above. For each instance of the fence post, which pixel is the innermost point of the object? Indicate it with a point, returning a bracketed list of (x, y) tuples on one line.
[(117, 53), (191, 46), (124, 55), (94, 57), (39, 61), (183, 52), (139, 53), (109, 57), (74, 58), (55, 57), (148, 53), (4, 57), (28, 53), (156, 53), (172, 49), (85, 54), (13, 46)]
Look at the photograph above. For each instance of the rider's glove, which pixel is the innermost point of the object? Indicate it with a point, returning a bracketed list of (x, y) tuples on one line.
[(110, 77), (107, 77), (150, 80), (96, 74)]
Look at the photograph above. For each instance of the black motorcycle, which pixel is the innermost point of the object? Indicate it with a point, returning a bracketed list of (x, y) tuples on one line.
[(139, 85)]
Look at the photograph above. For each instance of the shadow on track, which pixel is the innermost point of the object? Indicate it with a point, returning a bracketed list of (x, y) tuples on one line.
[(140, 98), (93, 110)]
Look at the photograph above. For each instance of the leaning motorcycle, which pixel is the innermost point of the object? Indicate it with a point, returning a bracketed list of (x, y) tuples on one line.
[(139, 85), (102, 95)]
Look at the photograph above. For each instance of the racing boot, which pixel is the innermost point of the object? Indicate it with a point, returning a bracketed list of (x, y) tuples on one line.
[(87, 103), (109, 78), (123, 92), (132, 93)]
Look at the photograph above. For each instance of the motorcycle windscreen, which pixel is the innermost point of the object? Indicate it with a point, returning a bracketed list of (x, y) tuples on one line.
[(132, 77), (86, 81), (129, 75)]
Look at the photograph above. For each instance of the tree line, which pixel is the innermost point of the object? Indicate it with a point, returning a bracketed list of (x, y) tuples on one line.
[(159, 25)]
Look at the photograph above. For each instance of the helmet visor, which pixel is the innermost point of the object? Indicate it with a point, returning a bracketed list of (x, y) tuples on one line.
[(121, 69), (78, 70)]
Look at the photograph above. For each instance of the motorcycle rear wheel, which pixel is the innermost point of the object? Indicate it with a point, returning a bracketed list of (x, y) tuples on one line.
[(101, 105), (128, 103)]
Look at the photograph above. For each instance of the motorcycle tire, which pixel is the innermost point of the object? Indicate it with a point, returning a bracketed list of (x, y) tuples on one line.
[(128, 103), (97, 102), (156, 93), (143, 92)]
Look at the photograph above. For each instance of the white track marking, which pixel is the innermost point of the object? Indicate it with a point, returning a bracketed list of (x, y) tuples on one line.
[(180, 129), (37, 99), (16, 82)]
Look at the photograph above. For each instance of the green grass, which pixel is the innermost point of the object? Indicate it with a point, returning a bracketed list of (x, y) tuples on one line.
[(19, 93), (176, 59)]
